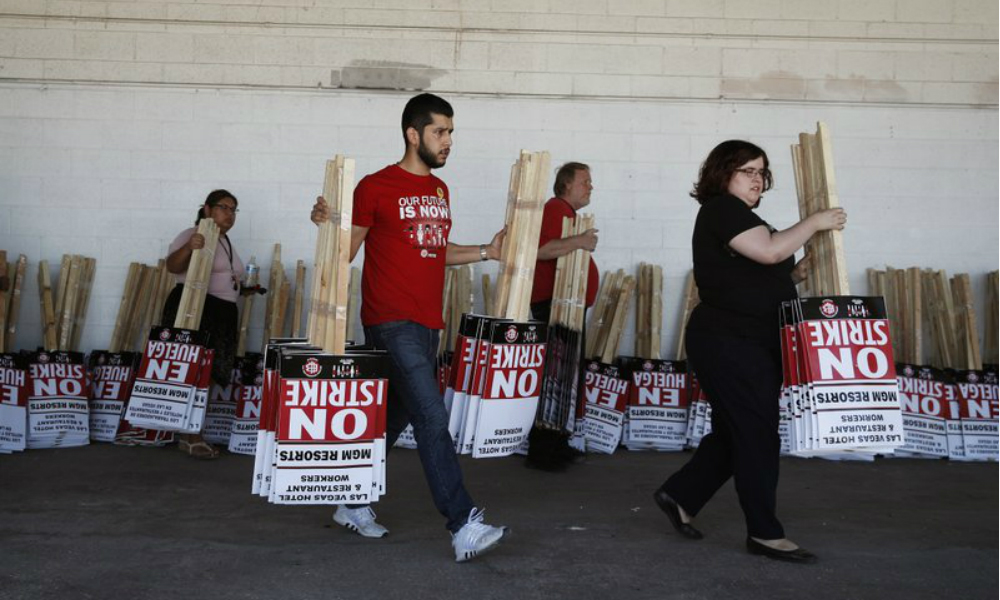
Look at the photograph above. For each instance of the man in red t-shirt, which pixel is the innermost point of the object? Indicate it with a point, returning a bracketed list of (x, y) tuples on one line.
[(402, 215), (549, 450)]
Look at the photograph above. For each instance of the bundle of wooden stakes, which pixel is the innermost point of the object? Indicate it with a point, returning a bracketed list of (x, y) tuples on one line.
[(607, 319), (926, 304), (199, 271), (457, 302), (141, 306), (331, 279), (10, 299), (812, 160), (688, 302), (565, 333), (64, 312), (525, 203), (649, 311), (279, 292)]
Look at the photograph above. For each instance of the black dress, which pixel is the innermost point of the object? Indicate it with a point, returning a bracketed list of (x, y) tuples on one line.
[(733, 347)]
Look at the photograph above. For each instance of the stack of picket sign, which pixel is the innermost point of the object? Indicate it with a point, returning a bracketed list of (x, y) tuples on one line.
[(321, 437), (234, 409), (841, 391), (949, 414), (495, 384), (111, 376), (321, 432), (57, 401), (657, 413), (13, 402)]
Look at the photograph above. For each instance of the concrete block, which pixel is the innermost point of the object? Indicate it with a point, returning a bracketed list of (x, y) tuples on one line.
[(604, 23), (581, 7), (488, 82), (960, 93), (807, 10), (73, 192), (978, 67), (634, 60), (736, 9), (602, 85), (850, 90), (69, 244), (517, 57), (223, 107), (212, 48), (15, 190), (646, 8), (665, 25), (44, 162), (975, 11), (874, 10), (695, 8), (923, 66), (744, 63), (164, 47), (165, 164), (892, 91), (692, 61), (575, 58), (660, 87), (104, 45), (42, 43), (838, 29), (927, 11), (228, 165), (101, 163), (19, 68), (870, 65), (548, 84)]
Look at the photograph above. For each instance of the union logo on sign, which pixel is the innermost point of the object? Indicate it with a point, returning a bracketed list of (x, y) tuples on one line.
[(828, 309), (972, 377), (312, 368), (647, 366), (593, 367), (43, 358), (258, 380), (908, 371), (511, 335), (165, 335)]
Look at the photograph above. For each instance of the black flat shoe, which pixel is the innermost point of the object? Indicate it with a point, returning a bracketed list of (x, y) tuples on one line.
[(799, 555), (667, 505)]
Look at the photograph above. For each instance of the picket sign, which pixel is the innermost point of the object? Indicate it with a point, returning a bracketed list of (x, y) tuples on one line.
[(329, 428), (221, 408), (264, 449), (13, 402), (170, 392), (925, 394), (58, 415), (406, 438), (977, 402), (244, 427), (111, 377), (844, 394), (656, 415), (467, 349), (606, 391), (512, 383)]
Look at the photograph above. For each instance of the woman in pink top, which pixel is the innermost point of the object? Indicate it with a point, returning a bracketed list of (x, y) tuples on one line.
[(220, 318)]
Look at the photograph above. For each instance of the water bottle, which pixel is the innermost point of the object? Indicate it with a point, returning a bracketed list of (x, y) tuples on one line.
[(252, 275)]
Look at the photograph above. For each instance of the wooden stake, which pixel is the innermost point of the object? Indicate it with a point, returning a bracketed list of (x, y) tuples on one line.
[(688, 303), (49, 341), (17, 283), (300, 283)]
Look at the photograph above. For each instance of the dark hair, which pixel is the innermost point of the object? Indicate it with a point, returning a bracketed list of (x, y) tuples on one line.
[(721, 164), (565, 175), (213, 198), (419, 111)]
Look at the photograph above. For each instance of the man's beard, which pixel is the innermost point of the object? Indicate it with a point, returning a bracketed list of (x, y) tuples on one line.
[(431, 160)]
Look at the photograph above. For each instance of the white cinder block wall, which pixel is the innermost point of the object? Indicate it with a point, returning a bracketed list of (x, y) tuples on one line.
[(117, 118)]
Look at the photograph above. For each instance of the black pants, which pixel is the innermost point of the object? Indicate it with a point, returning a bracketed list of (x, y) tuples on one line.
[(742, 378)]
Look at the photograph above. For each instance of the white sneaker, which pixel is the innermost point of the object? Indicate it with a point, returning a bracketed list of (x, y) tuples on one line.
[(476, 537), (360, 520)]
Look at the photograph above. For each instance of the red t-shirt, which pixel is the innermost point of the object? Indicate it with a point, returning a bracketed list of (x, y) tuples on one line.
[(545, 270), (409, 220)]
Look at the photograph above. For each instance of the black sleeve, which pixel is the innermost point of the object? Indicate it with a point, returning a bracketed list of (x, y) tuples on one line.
[(728, 216)]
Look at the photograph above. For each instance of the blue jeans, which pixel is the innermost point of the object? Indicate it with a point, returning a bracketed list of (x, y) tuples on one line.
[(414, 398)]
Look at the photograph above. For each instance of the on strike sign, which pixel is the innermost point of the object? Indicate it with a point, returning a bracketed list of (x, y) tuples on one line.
[(58, 414), (512, 385), (330, 433), (848, 393)]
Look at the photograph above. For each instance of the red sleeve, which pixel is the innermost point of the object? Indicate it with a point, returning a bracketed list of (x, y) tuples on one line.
[(365, 201), (552, 220)]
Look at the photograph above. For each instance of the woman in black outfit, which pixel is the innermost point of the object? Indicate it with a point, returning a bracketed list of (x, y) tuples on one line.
[(744, 269)]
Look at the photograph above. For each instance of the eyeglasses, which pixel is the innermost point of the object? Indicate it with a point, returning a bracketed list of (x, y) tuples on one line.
[(751, 173), (227, 208)]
